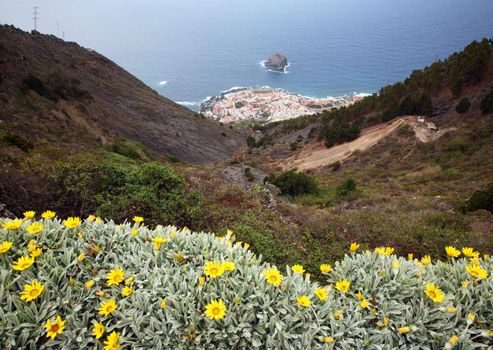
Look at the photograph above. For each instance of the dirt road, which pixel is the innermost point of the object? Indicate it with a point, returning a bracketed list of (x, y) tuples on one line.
[(316, 155)]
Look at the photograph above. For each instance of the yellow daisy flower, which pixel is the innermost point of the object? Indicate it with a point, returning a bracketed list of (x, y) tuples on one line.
[(303, 301), (298, 268), (476, 271), (72, 222), (12, 224), (434, 293), (229, 266), (107, 307), (54, 328), (343, 286), (215, 310), (158, 241), (98, 330), (35, 227), (321, 293), (5, 246), (404, 330), (115, 277), (31, 291), (112, 342), (23, 263), (338, 314), (48, 215), (138, 219), (354, 247), (325, 268), (469, 252), (452, 251), (213, 269), (426, 260), (29, 214), (272, 276), (127, 291)]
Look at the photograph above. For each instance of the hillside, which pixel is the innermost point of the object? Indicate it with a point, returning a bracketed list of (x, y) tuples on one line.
[(60, 93)]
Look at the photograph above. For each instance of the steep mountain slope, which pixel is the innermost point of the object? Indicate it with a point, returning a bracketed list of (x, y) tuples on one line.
[(56, 91)]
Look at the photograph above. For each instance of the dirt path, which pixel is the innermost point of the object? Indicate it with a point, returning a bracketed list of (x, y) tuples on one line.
[(316, 155)]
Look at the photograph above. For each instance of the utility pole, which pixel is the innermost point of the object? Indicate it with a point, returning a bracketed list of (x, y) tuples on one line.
[(35, 18)]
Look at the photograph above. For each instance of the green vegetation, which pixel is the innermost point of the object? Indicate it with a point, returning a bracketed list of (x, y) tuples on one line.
[(487, 103), (162, 296), (239, 105), (463, 105), (57, 85), (16, 140), (293, 183), (481, 199)]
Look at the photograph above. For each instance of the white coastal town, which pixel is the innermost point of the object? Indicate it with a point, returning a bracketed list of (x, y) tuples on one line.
[(268, 105)]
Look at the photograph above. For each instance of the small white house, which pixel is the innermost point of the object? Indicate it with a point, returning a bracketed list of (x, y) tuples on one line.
[(421, 119)]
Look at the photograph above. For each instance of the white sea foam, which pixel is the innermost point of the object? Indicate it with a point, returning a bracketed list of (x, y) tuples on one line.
[(163, 82), (262, 63)]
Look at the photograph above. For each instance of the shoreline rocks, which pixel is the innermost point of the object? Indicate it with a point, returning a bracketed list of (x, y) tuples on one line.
[(276, 62)]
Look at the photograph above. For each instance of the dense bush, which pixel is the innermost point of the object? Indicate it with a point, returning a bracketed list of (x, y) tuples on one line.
[(463, 105), (481, 199), (347, 187), (101, 187), (56, 86), (17, 141), (132, 287), (487, 103), (293, 183)]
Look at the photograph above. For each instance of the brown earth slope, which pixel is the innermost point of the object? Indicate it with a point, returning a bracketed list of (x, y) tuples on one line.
[(113, 104)]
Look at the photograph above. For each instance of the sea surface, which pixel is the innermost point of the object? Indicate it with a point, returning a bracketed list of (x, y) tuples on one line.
[(188, 50)]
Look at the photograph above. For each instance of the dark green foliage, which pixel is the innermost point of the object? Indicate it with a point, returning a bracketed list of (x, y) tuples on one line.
[(294, 184), (293, 146), (56, 86), (125, 149), (481, 199), (487, 103), (347, 187), (249, 175), (151, 190), (340, 131), (405, 130), (463, 105), (251, 141), (18, 141)]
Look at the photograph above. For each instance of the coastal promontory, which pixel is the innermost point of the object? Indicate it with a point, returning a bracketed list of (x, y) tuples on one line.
[(276, 62)]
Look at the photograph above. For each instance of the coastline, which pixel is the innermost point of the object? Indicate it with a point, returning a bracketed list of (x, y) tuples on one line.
[(267, 104)]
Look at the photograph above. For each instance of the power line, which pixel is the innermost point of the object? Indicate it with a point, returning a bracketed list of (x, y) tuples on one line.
[(35, 18)]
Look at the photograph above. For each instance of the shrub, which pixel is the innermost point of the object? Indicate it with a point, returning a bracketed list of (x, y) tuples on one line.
[(294, 184), (249, 175), (347, 187), (126, 149), (18, 141), (487, 103), (463, 105), (386, 303), (56, 86), (481, 199)]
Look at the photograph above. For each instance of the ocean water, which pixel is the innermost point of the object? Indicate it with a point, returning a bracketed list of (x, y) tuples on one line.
[(189, 49)]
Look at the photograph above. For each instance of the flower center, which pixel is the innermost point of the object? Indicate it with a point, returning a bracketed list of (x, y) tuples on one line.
[(55, 327), (33, 292), (432, 294), (216, 311)]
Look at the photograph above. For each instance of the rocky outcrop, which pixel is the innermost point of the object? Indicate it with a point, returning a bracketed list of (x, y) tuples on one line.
[(276, 63)]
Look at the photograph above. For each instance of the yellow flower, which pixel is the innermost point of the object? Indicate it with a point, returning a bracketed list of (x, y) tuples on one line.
[(343, 286), (353, 247), (100, 293), (35, 227), (453, 340), (384, 250), (321, 293), (303, 301), (48, 215), (434, 293), (465, 284), (98, 330), (32, 291), (107, 307), (115, 277), (23, 263), (452, 251), (5, 246), (215, 310), (89, 284), (29, 214), (476, 271), (396, 264), (364, 304), (327, 339), (471, 317), (426, 260), (272, 276), (404, 330), (410, 256), (359, 295), (163, 304), (229, 266), (72, 222), (385, 323), (91, 218), (298, 268), (201, 280), (54, 328), (112, 342), (451, 309), (12, 224), (338, 314), (81, 257), (134, 233), (325, 268), (127, 291), (213, 269), (246, 246), (98, 219), (474, 261), (158, 241), (129, 280), (34, 253), (138, 219), (469, 252)]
